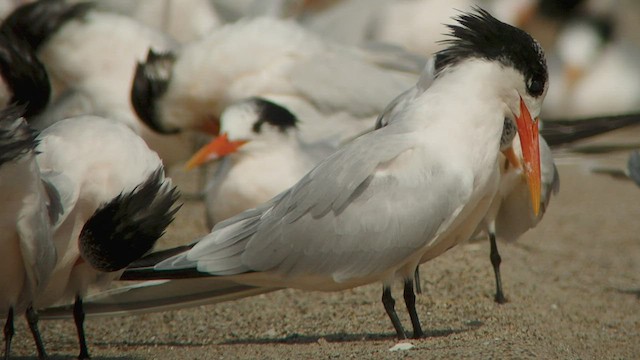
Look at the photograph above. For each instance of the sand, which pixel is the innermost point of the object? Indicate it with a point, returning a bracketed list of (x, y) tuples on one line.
[(573, 285)]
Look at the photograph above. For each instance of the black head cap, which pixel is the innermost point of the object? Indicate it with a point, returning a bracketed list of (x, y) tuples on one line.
[(39, 20), (128, 226), (480, 35), (272, 114), (150, 82), (16, 137), (24, 74)]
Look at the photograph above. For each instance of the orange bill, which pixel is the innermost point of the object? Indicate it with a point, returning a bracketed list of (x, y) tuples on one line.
[(530, 143), (217, 148)]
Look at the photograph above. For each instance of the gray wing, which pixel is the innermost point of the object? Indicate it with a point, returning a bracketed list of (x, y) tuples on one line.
[(391, 111), (347, 218), (333, 83)]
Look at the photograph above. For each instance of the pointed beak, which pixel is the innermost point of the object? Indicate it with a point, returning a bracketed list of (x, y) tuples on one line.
[(217, 148), (528, 132)]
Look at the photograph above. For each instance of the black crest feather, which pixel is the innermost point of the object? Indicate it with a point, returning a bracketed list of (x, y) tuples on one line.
[(36, 22), (150, 82), (24, 74), (17, 138), (128, 226), (480, 35), (273, 114)]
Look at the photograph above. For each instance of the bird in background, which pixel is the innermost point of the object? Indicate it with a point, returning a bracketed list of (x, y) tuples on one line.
[(90, 56), (266, 58), (114, 204), (397, 196)]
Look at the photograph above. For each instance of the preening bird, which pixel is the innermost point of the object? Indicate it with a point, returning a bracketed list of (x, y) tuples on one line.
[(400, 195), (115, 202), (25, 240), (511, 214)]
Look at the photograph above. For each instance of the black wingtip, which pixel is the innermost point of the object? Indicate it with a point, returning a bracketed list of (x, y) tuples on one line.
[(150, 82), (36, 22), (16, 137), (558, 132), (24, 74), (126, 228)]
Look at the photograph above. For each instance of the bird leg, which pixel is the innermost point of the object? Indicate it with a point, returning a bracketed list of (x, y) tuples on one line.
[(78, 317), (389, 306), (32, 320), (495, 261), (8, 334), (410, 301), (416, 276)]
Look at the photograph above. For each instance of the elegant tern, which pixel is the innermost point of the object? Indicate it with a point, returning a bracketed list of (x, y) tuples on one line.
[(25, 242), (90, 55), (399, 195), (265, 57), (115, 203)]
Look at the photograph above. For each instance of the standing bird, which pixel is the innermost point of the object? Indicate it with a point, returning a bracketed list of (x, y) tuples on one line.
[(397, 196), (511, 213), (25, 241), (115, 204)]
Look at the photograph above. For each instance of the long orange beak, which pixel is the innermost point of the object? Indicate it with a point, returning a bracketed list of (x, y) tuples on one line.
[(217, 148), (528, 132)]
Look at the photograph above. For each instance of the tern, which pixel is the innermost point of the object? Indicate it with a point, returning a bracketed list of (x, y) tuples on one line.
[(25, 241), (266, 58), (90, 56), (115, 202), (400, 195)]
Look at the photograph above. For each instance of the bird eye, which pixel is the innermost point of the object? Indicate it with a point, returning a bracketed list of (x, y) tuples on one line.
[(535, 87)]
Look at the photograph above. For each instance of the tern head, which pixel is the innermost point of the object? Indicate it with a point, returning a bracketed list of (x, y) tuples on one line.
[(521, 82), (150, 83), (128, 226), (249, 121)]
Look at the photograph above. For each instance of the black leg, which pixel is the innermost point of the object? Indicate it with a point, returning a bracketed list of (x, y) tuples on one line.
[(32, 320), (416, 276), (495, 261), (410, 301), (389, 306), (78, 316), (8, 334)]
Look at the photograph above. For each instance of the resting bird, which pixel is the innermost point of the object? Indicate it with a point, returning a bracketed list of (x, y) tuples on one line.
[(25, 241), (266, 58), (115, 203), (397, 196), (90, 56)]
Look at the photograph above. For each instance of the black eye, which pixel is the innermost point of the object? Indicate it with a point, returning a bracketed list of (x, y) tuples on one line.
[(535, 86)]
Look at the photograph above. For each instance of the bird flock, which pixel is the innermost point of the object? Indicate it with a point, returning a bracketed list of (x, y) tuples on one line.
[(345, 142)]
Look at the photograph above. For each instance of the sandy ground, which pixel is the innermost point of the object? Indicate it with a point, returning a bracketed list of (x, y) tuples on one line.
[(573, 285)]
